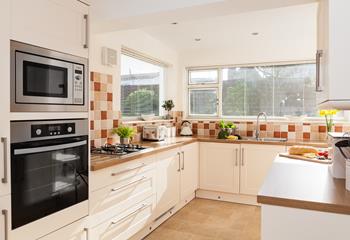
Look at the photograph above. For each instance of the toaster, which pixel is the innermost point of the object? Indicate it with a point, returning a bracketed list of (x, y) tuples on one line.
[(154, 133)]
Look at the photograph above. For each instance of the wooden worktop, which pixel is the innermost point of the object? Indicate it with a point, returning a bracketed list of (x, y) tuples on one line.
[(100, 161), (305, 185)]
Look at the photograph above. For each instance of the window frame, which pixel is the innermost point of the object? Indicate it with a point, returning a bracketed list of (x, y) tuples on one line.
[(150, 60), (220, 97)]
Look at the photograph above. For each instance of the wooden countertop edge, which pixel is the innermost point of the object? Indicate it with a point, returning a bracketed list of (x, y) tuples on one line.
[(113, 162), (307, 205)]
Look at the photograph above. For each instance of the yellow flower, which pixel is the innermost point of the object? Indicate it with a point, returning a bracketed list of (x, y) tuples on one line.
[(322, 113), (328, 112)]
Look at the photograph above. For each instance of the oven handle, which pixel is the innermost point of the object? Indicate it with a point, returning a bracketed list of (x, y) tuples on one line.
[(48, 148)]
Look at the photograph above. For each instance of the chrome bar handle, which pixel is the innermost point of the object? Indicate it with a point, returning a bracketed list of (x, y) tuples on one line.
[(4, 142), (127, 170), (86, 18), (236, 162), (183, 160), (6, 233), (128, 184), (242, 157), (143, 206), (179, 158), (319, 54)]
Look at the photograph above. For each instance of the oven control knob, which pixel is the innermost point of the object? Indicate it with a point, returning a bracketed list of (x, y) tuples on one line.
[(38, 132), (69, 129), (78, 77)]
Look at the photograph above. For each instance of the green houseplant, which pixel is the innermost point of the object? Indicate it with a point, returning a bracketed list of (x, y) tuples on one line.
[(226, 129), (168, 105), (125, 133)]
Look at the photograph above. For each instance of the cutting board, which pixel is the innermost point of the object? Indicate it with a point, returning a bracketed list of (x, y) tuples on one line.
[(299, 157)]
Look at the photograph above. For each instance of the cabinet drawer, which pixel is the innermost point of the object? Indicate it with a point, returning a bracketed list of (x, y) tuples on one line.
[(111, 175), (124, 194), (125, 225), (74, 231)]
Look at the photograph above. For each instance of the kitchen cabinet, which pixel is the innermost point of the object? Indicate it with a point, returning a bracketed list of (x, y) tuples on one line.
[(168, 181), (189, 169), (74, 231), (235, 168), (256, 160), (60, 25), (219, 167), (333, 40), (5, 98), (5, 217)]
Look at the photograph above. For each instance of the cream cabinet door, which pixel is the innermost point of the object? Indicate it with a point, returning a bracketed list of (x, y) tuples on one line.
[(256, 160), (189, 169), (5, 98), (60, 25), (167, 181), (219, 167), (5, 218)]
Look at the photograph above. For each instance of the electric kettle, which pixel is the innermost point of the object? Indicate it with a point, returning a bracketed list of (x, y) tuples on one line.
[(186, 129)]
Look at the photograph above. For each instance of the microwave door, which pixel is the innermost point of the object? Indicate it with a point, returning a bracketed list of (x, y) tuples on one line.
[(42, 80)]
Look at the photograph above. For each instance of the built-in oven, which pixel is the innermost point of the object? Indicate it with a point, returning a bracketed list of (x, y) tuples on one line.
[(46, 80), (49, 169)]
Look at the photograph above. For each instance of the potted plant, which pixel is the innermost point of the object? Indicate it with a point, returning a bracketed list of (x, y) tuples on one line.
[(230, 128), (168, 105), (125, 133), (226, 129)]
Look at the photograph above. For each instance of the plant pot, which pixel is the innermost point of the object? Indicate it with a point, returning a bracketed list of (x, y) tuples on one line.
[(124, 141)]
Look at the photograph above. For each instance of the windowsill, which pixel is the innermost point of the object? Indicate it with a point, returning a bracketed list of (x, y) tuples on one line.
[(269, 119), (138, 121)]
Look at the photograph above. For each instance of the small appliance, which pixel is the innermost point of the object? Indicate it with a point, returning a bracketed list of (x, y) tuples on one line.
[(45, 80), (338, 151), (186, 129), (154, 133)]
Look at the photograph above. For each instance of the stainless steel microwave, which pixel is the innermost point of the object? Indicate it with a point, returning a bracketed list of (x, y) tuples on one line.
[(44, 80)]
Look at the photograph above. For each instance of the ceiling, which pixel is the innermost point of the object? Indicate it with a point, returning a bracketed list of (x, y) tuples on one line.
[(113, 15), (290, 25)]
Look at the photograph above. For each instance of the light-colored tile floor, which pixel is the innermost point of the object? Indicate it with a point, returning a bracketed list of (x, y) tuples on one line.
[(205, 219)]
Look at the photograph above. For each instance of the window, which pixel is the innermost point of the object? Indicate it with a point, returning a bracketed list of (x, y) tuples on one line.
[(278, 90), (141, 87)]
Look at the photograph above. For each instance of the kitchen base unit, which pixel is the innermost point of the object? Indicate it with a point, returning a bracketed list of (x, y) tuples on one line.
[(302, 224)]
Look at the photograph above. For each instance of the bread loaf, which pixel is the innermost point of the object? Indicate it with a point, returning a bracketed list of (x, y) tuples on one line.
[(300, 150)]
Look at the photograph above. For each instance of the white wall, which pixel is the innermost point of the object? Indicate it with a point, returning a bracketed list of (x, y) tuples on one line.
[(139, 41)]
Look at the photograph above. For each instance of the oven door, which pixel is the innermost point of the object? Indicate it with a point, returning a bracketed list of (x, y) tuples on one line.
[(42, 80), (47, 176)]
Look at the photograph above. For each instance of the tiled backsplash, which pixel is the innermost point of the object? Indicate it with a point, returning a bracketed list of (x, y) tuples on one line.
[(104, 119)]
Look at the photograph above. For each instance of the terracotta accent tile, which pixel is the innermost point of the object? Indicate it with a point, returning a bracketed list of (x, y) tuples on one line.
[(91, 125), (338, 128), (92, 143), (194, 125), (115, 123), (103, 133), (110, 97), (195, 131), (206, 125), (291, 128), (97, 86), (249, 133), (284, 134), (103, 115), (277, 134), (263, 127), (212, 132), (92, 108), (217, 126), (322, 129), (306, 124), (306, 135)]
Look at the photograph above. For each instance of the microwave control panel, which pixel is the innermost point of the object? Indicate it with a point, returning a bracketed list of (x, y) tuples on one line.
[(47, 130), (78, 84)]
